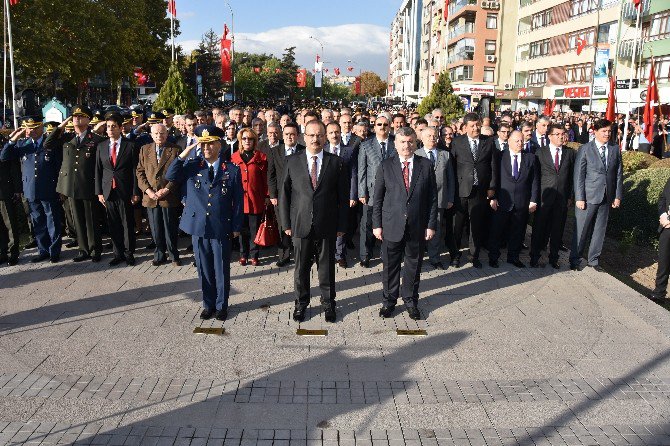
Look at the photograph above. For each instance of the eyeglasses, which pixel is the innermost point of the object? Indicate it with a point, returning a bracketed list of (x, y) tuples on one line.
[(247, 138), (381, 125)]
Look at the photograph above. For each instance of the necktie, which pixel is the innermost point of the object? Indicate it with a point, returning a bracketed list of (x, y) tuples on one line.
[(345, 140), (335, 150), (432, 157), (289, 151), (313, 172), (405, 174), (383, 144), (515, 167), (78, 140), (114, 163), (556, 163), (211, 173), (473, 149), (543, 140), (159, 152), (526, 147), (602, 156), (504, 146)]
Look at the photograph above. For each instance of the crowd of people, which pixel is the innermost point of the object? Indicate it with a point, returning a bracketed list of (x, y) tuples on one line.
[(412, 184)]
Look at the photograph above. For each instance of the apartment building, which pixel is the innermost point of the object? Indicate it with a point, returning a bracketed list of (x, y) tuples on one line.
[(404, 54)]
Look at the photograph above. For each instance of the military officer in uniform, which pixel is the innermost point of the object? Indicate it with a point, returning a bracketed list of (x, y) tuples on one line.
[(40, 174), (173, 132), (10, 195), (212, 214), (77, 179)]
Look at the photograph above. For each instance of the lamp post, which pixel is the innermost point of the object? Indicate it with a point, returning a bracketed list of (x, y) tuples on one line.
[(232, 45), (322, 57)]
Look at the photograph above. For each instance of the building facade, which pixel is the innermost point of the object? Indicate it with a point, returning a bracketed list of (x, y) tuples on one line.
[(405, 42)]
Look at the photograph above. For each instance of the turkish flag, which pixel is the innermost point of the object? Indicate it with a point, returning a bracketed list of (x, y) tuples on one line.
[(301, 78), (547, 108), (649, 103), (257, 69), (277, 70), (226, 57), (357, 85), (581, 44), (172, 7), (637, 3), (337, 71), (446, 10), (610, 113), (350, 69), (13, 2)]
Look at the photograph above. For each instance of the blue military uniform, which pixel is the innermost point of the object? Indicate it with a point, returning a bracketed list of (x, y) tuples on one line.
[(213, 211), (40, 169)]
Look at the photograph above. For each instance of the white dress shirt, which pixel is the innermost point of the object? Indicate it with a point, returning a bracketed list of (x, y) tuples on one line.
[(111, 147), (336, 146), (410, 166), (518, 160), (429, 151), (289, 150), (598, 146), (319, 162), (553, 149)]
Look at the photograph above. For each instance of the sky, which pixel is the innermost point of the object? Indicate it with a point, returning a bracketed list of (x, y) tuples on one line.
[(356, 30)]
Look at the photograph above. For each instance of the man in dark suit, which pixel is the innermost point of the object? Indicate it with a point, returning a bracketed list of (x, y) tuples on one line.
[(517, 193), (529, 145), (314, 201), (336, 147), (539, 136), (503, 136), (370, 155), (581, 130), (11, 190), (556, 168), (190, 123), (276, 165), (77, 179), (598, 187), (273, 138), (229, 145), (473, 156), (663, 270), (404, 217), (116, 188), (352, 140)]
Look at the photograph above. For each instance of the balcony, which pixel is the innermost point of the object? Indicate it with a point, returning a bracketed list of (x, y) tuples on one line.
[(629, 11), (458, 5), (626, 48), (469, 27), (467, 54)]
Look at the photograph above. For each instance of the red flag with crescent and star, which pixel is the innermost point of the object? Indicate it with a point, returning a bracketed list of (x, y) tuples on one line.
[(172, 6), (581, 44), (226, 57), (301, 78), (650, 102)]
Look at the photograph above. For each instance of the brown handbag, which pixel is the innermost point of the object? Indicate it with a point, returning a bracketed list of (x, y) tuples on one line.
[(268, 230)]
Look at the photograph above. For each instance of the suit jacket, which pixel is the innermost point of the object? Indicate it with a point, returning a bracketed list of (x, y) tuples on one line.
[(10, 179), (595, 183), (538, 144), (347, 154), (556, 187), (321, 212), (39, 166), (76, 178), (498, 144), (264, 146), (150, 174), (465, 164), (664, 202), (276, 165), (517, 193), (369, 159), (531, 146), (395, 209), (444, 177), (227, 150), (123, 171), (582, 137)]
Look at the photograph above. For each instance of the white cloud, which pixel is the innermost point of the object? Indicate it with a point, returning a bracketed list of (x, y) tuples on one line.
[(367, 45), (186, 15), (188, 45)]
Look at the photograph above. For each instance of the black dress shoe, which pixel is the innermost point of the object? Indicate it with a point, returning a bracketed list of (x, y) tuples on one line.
[(534, 264), (413, 313), (72, 244), (207, 313), (81, 257), (555, 265), (222, 314), (158, 262), (575, 267), (39, 258), (329, 313), (115, 261), (342, 263), (54, 259), (476, 263), (365, 263), (598, 268), (283, 262), (176, 263), (386, 312), (13, 261), (299, 314), (494, 264), (130, 260), (517, 263), (31, 245), (456, 261), (95, 259), (437, 265)]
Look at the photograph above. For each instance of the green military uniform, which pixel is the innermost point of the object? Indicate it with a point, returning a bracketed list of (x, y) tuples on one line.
[(77, 182), (10, 185)]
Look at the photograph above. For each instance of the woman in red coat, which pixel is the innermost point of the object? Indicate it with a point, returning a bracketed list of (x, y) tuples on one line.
[(254, 167)]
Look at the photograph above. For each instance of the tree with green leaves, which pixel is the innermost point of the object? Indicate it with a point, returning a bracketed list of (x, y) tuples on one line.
[(176, 94), (442, 96), (206, 62)]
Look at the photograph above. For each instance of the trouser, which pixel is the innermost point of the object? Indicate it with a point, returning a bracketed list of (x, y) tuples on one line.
[(663, 270), (46, 218), (26, 210), (472, 210), (449, 240), (306, 251), (355, 215), (69, 218), (164, 224), (515, 220), (250, 225), (410, 250), (120, 224), (435, 245), (590, 222), (86, 214), (9, 229), (548, 226), (213, 263), (367, 238), (285, 245)]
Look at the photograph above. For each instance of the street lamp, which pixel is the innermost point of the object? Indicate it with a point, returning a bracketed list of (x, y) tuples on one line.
[(322, 57), (232, 44)]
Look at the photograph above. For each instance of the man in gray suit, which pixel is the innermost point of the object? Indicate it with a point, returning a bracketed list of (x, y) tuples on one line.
[(372, 152), (446, 184), (598, 186)]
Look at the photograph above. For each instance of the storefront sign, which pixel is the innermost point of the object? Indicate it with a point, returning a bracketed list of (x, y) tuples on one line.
[(622, 84), (572, 93), (530, 93), (470, 89)]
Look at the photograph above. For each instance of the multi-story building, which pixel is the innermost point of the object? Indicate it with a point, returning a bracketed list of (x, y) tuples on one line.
[(405, 45)]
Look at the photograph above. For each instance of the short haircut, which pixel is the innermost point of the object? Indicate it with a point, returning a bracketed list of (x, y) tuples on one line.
[(504, 125), (316, 122), (274, 125), (420, 121), (398, 115), (339, 127), (257, 121), (601, 124), (405, 131), (470, 117), (527, 124), (544, 118), (311, 113), (116, 117), (553, 127), (292, 125), (200, 114), (189, 116)]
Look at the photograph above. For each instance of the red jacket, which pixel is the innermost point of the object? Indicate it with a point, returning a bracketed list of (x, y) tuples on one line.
[(254, 181)]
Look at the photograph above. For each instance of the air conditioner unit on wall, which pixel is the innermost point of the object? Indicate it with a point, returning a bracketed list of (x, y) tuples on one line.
[(490, 58), (494, 5), (486, 5), (509, 86)]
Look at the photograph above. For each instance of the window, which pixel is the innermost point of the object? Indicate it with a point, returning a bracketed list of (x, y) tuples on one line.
[(490, 48), (539, 48), (541, 19), (662, 69), (586, 34), (578, 73), (522, 52), (537, 77), (660, 26), (492, 21), (607, 32), (579, 7), (462, 73), (489, 74)]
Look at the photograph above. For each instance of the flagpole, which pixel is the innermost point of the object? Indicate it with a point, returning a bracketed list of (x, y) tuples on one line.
[(172, 33), (4, 65), (632, 72), (595, 54), (11, 60), (232, 46)]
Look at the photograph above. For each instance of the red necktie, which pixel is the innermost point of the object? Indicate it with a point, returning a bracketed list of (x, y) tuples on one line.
[(313, 172), (556, 160), (405, 174), (114, 163)]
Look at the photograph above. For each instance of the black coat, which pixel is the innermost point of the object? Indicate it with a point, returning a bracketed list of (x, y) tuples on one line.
[(556, 187), (664, 202), (465, 165), (518, 193), (10, 179), (123, 172), (276, 167)]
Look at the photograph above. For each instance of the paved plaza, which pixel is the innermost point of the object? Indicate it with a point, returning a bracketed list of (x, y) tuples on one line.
[(96, 355)]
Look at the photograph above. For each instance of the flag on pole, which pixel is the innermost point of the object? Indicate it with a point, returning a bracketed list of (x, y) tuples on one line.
[(581, 44), (650, 102), (172, 7), (226, 57), (350, 69), (357, 86), (547, 108), (13, 2), (446, 10), (337, 71), (301, 78), (610, 113), (637, 3)]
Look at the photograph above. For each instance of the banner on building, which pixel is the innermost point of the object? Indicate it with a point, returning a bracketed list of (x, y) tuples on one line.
[(600, 79), (301, 78), (226, 57)]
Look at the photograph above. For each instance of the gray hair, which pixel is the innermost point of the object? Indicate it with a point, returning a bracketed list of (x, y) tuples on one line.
[(406, 131), (257, 121), (274, 125), (385, 116)]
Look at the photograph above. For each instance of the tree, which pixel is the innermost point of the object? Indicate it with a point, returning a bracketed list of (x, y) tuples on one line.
[(175, 93), (442, 96), (206, 61), (372, 84)]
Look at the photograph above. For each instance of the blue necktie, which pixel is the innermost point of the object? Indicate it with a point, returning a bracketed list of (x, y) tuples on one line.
[(515, 168)]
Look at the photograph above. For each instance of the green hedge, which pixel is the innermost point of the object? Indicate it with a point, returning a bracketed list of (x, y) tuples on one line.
[(638, 216), (661, 164), (634, 161)]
